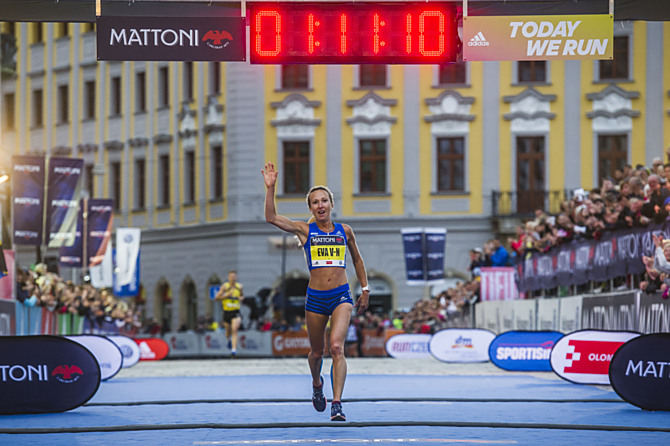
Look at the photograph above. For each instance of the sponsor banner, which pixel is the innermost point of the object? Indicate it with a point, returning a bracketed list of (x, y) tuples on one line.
[(183, 344), (48, 322), (28, 193), (128, 290), (100, 223), (583, 357), (616, 312), (409, 346), (570, 314), (71, 256), (615, 254), (523, 351), (127, 254), (7, 281), (412, 239), (487, 315), (171, 38), (290, 343), (653, 314), (541, 37), (106, 352), (130, 351), (435, 240), (44, 374), (214, 343), (525, 314), (63, 193), (461, 345), (7, 318), (374, 341), (640, 371), (152, 349), (102, 275), (498, 283), (548, 312), (254, 344)]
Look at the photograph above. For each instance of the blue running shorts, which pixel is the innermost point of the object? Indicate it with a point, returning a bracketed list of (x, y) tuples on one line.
[(325, 302)]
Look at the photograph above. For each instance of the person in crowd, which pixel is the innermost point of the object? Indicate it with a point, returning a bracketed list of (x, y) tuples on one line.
[(500, 256), (325, 243), (231, 295)]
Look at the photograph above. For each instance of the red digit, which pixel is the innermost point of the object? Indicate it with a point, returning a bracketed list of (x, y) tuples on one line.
[(277, 32), (343, 34), (408, 29), (310, 29), (422, 29)]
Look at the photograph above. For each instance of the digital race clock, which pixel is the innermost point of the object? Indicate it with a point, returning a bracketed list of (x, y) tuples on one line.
[(352, 33)]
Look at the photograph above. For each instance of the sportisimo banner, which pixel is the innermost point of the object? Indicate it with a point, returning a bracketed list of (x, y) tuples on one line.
[(42, 374), (616, 254), (63, 192), (28, 205), (523, 351)]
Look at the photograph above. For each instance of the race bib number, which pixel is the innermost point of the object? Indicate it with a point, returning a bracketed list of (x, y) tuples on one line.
[(327, 250)]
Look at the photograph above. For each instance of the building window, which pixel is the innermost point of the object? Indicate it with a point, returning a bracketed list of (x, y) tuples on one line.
[(450, 164), (89, 100), (532, 71), (115, 100), (188, 81), (11, 28), (164, 180), (63, 98), (140, 183), (215, 77), (372, 156), (90, 179), (38, 33), (63, 29), (8, 111), (372, 75), (612, 154), (617, 68), (294, 76), (89, 27), (38, 109), (217, 172), (296, 167), (189, 177), (116, 185), (452, 73), (163, 87), (141, 92)]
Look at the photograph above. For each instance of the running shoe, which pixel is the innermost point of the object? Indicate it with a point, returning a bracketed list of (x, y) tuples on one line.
[(318, 398), (336, 413)]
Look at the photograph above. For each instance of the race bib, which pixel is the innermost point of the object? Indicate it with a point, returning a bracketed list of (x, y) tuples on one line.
[(327, 250)]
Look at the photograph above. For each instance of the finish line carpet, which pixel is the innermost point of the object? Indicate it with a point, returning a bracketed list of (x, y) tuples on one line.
[(514, 409)]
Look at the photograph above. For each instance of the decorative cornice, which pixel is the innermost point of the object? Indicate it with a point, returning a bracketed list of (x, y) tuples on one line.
[(371, 121), (375, 97), (213, 99), (450, 93), (449, 117), (295, 97), (612, 89), (530, 92), (187, 133), (185, 110), (210, 128), (87, 147), (61, 150), (113, 145), (613, 115), (295, 121), (138, 142), (162, 138), (528, 116)]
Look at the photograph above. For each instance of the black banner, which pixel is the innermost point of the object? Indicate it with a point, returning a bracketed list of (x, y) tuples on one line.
[(42, 374), (616, 254), (63, 192), (28, 205), (171, 38)]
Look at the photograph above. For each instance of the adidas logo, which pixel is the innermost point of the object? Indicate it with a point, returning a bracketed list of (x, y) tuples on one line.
[(478, 40)]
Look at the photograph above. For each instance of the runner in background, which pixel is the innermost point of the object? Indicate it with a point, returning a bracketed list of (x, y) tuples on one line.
[(328, 295), (231, 295)]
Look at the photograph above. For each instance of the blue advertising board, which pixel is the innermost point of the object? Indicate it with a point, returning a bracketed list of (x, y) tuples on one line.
[(640, 372), (524, 351), (44, 374)]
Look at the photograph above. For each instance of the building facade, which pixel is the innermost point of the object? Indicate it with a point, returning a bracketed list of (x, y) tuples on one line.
[(179, 147)]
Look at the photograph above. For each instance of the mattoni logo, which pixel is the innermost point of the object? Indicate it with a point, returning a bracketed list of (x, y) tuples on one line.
[(217, 39), (478, 40), (67, 373)]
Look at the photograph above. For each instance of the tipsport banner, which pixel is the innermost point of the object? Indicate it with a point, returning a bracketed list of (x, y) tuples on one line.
[(63, 193), (28, 205), (556, 37), (424, 255), (616, 254)]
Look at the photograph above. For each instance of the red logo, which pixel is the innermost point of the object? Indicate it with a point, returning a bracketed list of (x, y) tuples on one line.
[(217, 39), (67, 373), (592, 357)]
